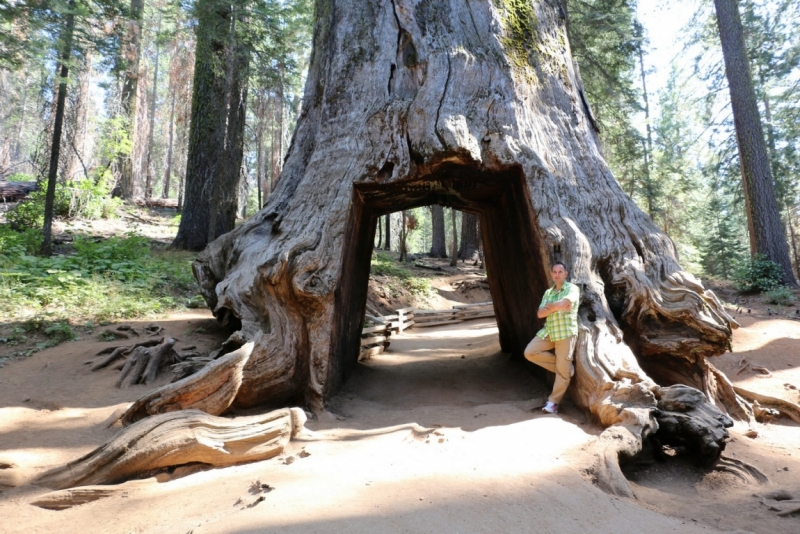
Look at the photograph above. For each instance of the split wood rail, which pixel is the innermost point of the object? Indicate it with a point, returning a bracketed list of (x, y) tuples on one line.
[(379, 328)]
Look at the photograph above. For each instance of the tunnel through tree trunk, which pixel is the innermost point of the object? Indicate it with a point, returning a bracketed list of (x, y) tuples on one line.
[(476, 105)]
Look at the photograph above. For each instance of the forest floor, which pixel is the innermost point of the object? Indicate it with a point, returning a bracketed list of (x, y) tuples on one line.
[(493, 463)]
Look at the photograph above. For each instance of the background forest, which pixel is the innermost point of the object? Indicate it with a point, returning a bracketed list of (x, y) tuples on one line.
[(190, 105)]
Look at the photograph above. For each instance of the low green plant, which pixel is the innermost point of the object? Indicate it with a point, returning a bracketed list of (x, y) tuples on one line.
[(101, 280), (383, 264), (59, 331), (78, 199), (758, 275), (419, 286), (780, 295)]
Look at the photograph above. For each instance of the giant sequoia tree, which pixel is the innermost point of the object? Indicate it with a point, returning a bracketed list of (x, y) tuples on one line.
[(475, 105)]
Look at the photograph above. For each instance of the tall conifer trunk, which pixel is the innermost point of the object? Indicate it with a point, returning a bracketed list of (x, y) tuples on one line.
[(763, 216), (131, 53), (65, 54), (168, 170), (438, 238), (216, 135), (148, 183), (470, 237)]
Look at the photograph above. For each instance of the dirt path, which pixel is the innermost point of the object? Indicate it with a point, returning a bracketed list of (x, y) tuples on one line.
[(491, 465)]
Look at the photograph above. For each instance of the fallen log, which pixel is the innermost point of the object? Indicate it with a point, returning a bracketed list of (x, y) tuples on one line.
[(14, 191), (159, 203), (179, 438)]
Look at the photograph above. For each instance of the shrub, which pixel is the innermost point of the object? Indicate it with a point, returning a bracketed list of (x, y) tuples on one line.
[(78, 199), (780, 295), (757, 275), (101, 280), (383, 264)]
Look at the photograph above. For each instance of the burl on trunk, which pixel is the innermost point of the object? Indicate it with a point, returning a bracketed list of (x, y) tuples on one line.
[(476, 105)]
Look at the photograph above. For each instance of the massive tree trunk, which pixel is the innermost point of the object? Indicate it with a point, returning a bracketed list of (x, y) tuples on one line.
[(476, 106), (438, 238), (763, 217), (216, 134)]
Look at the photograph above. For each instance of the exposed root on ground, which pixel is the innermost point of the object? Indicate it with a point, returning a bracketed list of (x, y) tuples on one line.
[(784, 407), (212, 390), (744, 471), (179, 438)]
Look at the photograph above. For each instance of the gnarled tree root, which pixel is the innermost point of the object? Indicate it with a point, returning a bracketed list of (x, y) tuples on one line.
[(686, 418), (64, 499), (114, 353), (178, 438), (615, 443), (683, 416), (787, 408), (211, 390), (742, 470)]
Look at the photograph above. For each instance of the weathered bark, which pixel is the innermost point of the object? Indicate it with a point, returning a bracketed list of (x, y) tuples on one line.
[(438, 239), (65, 53), (763, 217), (179, 438), (470, 237), (475, 106), (212, 390), (216, 133)]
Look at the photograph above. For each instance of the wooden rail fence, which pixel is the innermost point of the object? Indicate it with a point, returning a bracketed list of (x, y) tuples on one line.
[(379, 328)]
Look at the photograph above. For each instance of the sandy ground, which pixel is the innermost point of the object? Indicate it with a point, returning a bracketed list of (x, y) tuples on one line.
[(491, 465)]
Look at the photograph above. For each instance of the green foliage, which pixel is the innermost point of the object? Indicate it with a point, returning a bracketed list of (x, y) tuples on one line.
[(722, 244), (101, 280), (780, 295), (758, 275), (28, 30), (383, 264), (774, 55), (604, 37), (79, 199), (57, 332), (27, 242), (115, 138)]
